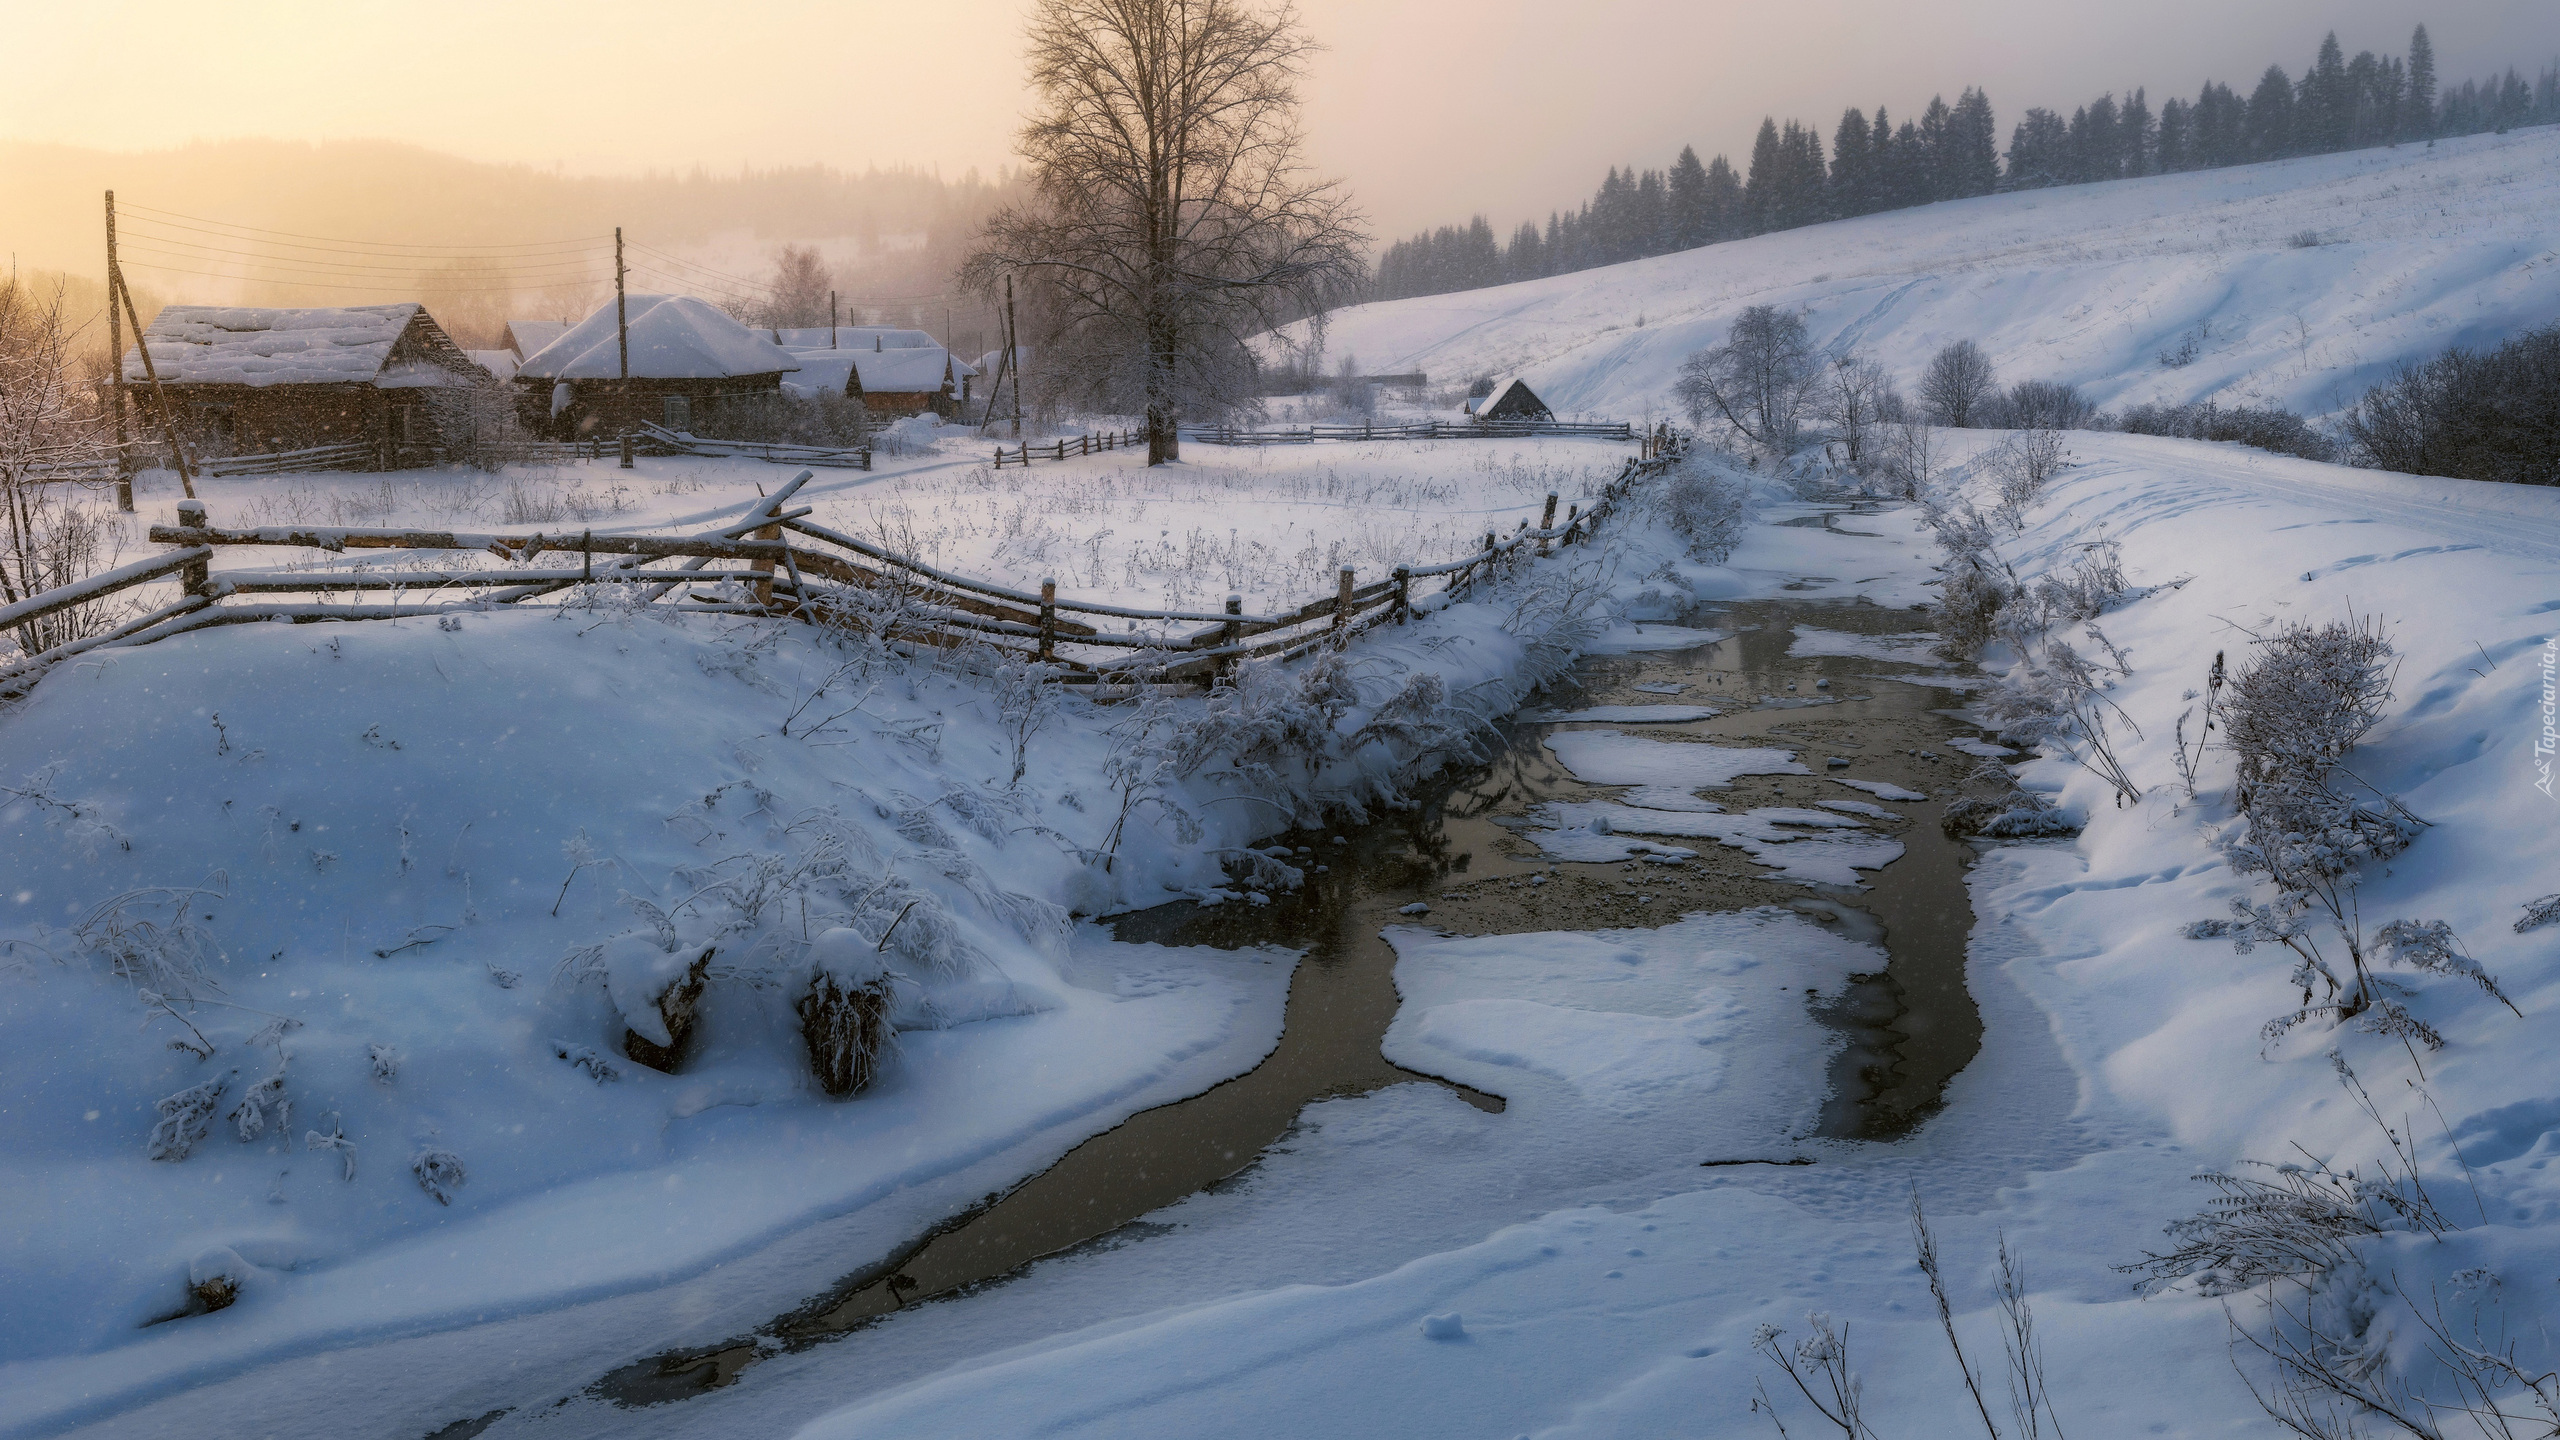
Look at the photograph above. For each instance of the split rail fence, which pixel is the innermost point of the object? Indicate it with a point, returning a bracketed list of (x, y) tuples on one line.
[(1062, 447), (1419, 430), (775, 561)]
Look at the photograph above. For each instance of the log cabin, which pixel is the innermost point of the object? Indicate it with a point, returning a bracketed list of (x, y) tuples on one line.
[(688, 359), (248, 379)]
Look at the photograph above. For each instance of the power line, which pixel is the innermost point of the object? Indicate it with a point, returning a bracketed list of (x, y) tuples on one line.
[(324, 285), (373, 244), (424, 266)]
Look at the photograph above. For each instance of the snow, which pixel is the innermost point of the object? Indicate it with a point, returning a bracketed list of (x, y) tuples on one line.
[(672, 337), (1612, 757), (902, 371), (1911, 648), (248, 345), (2424, 247), (1623, 714), (1881, 789), (1778, 836)]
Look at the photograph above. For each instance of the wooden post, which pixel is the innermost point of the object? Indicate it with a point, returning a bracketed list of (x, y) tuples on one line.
[(1342, 608), (1404, 593), (1012, 357), (151, 373), (763, 566), (1230, 635), (1547, 521), (1048, 620), (831, 319), (115, 354), (197, 577), (622, 336), (1572, 519)]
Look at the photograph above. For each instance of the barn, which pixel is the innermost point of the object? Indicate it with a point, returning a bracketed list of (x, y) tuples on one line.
[(1511, 400), (688, 360), (249, 379)]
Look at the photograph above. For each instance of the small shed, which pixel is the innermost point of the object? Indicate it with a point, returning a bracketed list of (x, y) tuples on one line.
[(1511, 400), (688, 361), (244, 379)]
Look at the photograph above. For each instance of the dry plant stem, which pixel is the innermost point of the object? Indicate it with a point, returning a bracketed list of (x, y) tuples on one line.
[(1925, 1248)]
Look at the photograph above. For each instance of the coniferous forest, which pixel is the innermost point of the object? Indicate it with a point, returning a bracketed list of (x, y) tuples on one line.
[(1950, 152)]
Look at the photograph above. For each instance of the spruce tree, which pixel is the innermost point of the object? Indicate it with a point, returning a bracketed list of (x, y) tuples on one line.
[(1852, 155), (2271, 128), (2135, 134), (1691, 225), (1759, 188), (1975, 135), (2421, 114), (1935, 165), (1725, 209)]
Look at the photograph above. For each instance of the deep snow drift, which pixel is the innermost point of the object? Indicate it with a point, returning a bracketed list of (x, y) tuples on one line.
[(2300, 283)]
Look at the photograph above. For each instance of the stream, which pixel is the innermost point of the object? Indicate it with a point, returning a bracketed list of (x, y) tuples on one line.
[(1470, 851)]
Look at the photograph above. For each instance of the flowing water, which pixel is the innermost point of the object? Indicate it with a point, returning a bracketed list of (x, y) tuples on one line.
[(1906, 1030)]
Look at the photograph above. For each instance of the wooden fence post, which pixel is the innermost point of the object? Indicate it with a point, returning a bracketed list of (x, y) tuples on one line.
[(197, 577), (1048, 620), (1404, 593), (1547, 521), (1342, 609), (1573, 522), (763, 566), (1230, 635)]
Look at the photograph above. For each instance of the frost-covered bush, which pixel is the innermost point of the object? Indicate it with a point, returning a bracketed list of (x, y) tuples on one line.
[(2310, 694), (1707, 506), (1975, 585), (844, 1013), (2265, 428), (2470, 415), (2015, 815), (2020, 465), (184, 1119), (1908, 458), (2039, 405), (438, 1172)]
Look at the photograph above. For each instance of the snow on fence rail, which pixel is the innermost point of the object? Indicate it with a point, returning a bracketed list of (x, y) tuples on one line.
[(813, 575), (1419, 430), (286, 462), (1094, 444), (684, 442)]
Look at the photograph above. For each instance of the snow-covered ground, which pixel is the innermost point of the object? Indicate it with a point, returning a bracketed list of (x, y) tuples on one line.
[(361, 835), (2301, 282)]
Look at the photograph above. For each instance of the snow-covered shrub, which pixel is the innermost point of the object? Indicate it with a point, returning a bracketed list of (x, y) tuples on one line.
[(657, 990), (2311, 693), (215, 1279), (438, 1172), (1975, 584), (82, 823), (185, 1117), (385, 1062), (2039, 405), (2470, 415), (260, 1106), (2083, 590), (2058, 696), (1707, 506), (2013, 815), (1908, 459), (2538, 913), (2265, 428), (336, 1140), (2020, 465)]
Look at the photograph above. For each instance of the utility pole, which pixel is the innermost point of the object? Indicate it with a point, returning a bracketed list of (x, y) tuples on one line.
[(115, 352), (831, 319), (622, 337), (1012, 357)]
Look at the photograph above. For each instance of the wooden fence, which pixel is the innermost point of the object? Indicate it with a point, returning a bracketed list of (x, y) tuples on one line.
[(775, 561), (1062, 447), (1419, 430)]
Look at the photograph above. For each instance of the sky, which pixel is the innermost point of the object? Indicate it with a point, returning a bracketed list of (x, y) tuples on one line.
[(1432, 111)]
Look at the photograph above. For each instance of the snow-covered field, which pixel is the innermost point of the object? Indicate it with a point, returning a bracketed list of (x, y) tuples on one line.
[(381, 856), (2301, 282)]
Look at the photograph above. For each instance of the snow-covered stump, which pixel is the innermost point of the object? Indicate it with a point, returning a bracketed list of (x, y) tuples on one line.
[(845, 1014), (659, 993)]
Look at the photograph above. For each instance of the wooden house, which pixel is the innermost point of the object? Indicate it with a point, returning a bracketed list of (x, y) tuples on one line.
[(525, 338), (890, 380), (1511, 400), (245, 379), (688, 359)]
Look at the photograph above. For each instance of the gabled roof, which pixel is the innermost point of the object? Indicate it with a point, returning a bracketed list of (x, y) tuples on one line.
[(847, 337), (673, 337), (390, 345), (890, 372), (501, 363), (1509, 397), (527, 337), (822, 372)]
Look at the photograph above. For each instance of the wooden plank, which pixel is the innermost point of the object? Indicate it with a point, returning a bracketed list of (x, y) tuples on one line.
[(105, 582)]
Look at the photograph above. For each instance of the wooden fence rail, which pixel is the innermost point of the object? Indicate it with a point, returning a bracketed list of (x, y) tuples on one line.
[(779, 563), (1419, 430), (1064, 448)]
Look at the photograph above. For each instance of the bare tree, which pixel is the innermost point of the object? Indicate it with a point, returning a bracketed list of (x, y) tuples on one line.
[(1173, 219), (48, 419), (1757, 381), (1856, 399), (1957, 384), (800, 285)]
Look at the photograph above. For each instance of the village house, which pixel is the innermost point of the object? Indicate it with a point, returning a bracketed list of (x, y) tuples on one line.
[(245, 379), (525, 338), (889, 378), (688, 359)]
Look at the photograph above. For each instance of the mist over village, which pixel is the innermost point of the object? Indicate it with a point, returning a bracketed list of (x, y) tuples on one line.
[(1175, 718)]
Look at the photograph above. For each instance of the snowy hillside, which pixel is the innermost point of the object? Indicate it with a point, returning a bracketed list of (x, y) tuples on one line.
[(2300, 281)]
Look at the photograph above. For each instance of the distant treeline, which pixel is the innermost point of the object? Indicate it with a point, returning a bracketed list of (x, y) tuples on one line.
[(1952, 151)]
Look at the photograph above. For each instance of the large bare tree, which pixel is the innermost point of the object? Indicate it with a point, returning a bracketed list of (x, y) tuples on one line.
[(1173, 218)]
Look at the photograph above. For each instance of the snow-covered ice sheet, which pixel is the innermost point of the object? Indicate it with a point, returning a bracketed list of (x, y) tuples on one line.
[(1911, 648), (1611, 757), (1622, 714), (1881, 789), (1788, 838)]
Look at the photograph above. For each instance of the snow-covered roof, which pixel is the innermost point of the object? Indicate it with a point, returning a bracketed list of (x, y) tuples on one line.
[(673, 337), (885, 337), (527, 337), (822, 371), (896, 371), (501, 363), (271, 345), (1513, 392)]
